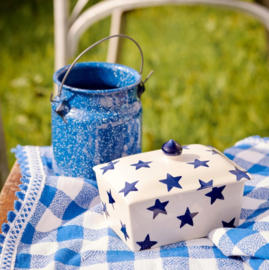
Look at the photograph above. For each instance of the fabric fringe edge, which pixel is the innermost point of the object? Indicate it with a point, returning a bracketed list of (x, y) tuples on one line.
[(21, 156)]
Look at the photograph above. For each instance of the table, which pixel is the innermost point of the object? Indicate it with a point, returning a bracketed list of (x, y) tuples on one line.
[(194, 254), (7, 196)]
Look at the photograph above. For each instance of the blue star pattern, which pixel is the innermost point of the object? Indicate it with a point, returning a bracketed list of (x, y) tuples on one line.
[(216, 194), (171, 181), (104, 209), (110, 166), (187, 218), (185, 147), (146, 244), (123, 229), (239, 174), (129, 187), (158, 208), (214, 152), (141, 164), (229, 224), (197, 163), (205, 185), (110, 198)]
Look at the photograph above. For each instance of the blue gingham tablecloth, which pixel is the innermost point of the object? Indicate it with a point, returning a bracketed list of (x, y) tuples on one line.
[(58, 223)]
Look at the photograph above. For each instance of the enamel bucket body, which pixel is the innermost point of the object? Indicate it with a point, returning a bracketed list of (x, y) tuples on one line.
[(98, 117)]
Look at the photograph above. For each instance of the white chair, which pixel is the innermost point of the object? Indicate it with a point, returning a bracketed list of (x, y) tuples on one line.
[(69, 28)]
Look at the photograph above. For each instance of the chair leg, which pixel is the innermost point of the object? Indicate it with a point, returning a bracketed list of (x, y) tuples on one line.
[(114, 44), (60, 33), (4, 171)]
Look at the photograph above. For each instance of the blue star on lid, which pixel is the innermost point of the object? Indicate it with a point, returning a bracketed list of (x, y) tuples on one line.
[(123, 229), (187, 218), (129, 187), (229, 224), (146, 243), (214, 152), (104, 210), (141, 164), (197, 163), (239, 174), (216, 194), (185, 147), (158, 208), (171, 181), (205, 185), (110, 166), (110, 198)]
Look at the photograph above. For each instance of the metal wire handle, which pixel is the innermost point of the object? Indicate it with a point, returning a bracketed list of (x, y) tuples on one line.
[(93, 45)]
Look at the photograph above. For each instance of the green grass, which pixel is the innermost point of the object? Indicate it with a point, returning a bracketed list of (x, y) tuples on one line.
[(210, 83)]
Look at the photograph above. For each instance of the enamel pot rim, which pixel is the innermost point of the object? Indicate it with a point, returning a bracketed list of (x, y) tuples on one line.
[(64, 69)]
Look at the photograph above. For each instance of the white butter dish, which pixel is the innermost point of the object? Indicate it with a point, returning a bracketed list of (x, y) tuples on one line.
[(174, 194)]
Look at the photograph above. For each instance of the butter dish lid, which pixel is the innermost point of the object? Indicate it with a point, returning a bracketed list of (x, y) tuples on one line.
[(173, 170)]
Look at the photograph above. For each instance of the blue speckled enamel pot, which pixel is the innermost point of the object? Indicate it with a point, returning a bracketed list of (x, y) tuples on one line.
[(98, 116)]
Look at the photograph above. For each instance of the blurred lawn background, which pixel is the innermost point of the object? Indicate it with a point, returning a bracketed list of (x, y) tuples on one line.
[(210, 84)]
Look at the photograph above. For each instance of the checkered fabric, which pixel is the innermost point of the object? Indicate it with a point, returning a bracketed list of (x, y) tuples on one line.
[(250, 240), (58, 223)]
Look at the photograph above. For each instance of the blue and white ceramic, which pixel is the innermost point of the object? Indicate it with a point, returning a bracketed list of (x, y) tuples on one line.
[(98, 116), (174, 194)]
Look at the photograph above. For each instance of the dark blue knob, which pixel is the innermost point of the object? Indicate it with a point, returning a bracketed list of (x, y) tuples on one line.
[(172, 148)]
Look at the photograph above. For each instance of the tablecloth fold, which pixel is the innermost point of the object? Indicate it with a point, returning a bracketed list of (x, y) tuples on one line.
[(58, 223), (250, 240)]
